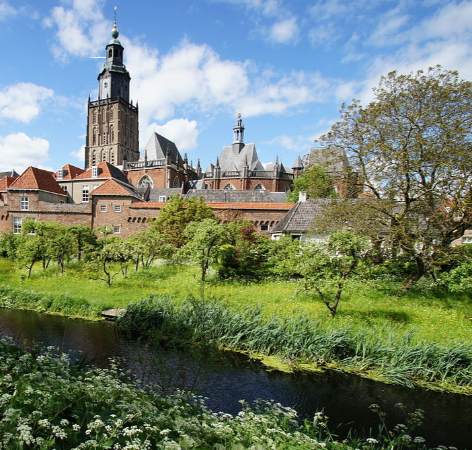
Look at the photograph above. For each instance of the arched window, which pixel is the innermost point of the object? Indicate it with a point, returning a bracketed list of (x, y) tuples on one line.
[(110, 53), (145, 181), (104, 155), (112, 157), (112, 134), (176, 182), (259, 186), (229, 187), (95, 116), (94, 158)]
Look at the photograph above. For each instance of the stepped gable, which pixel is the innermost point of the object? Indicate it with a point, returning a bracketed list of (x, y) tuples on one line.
[(105, 170), (37, 179), (113, 187), (70, 172), (157, 148), (302, 215)]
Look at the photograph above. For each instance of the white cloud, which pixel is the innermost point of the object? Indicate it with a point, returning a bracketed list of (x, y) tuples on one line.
[(79, 154), (182, 132), (6, 10), (19, 151), (299, 143), (81, 29), (284, 32), (23, 101)]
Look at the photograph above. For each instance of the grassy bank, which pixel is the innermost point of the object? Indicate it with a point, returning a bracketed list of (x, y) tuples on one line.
[(433, 316)]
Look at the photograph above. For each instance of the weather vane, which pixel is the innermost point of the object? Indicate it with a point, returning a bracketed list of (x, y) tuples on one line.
[(115, 8)]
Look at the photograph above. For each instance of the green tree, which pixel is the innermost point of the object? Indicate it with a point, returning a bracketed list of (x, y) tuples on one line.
[(323, 268), (109, 259), (149, 245), (204, 239), (176, 214), (315, 181), (411, 147)]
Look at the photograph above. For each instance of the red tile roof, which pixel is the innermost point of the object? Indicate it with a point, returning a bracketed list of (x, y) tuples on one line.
[(5, 182), (105, 170), (70, 172), (112, 187), (37, 179)]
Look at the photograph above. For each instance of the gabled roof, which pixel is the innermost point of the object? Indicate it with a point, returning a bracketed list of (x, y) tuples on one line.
[(157, 147), (5, 182), (37, 179), (302, 216), (70, 172), (235, 157), (113, 187), (105, 170)]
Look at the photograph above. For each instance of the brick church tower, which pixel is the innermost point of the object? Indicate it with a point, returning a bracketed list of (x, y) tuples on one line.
[(112, 122)]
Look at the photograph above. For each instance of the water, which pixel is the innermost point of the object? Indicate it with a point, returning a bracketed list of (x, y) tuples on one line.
[(230, 377)]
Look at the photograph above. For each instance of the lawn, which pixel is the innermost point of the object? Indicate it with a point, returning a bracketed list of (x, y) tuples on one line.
[(435, 316)]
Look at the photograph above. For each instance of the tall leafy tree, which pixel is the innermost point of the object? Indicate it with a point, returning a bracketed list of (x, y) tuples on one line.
[(315, 181), (176, 214), (411, 148)]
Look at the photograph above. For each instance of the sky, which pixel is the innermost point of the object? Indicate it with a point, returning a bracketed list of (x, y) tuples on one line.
[(286, 65)]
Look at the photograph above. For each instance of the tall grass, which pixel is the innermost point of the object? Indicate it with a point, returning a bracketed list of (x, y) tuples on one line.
[(381, 352)]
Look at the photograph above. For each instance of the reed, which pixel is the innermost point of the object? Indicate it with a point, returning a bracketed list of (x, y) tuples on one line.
[(393, 355)]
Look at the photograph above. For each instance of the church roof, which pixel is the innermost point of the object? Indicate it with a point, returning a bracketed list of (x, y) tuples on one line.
[(37, 179), (113, 187), (11, 173), (238, 196), (157, 147), (105, 170), (235, 157)]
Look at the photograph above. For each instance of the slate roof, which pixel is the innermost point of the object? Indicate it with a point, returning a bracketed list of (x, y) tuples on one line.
[(70, 172), (238, 196), (225, 206), (156, 148), (333, 160), (302, 216), (154, 194), (11, 173), (37, 179), (115, 188), (233, 157), (105, 170)]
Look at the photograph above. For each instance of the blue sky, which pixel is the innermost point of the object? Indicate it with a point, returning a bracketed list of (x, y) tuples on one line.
[(286, 65)]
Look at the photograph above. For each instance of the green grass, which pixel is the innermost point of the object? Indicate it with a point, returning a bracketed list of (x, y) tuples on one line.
[(434, 316)]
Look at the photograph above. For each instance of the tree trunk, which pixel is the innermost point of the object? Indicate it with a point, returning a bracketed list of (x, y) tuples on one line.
[(412, 279)]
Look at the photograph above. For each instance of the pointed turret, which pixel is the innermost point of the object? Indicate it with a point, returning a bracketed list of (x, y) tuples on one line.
[(238, 135)]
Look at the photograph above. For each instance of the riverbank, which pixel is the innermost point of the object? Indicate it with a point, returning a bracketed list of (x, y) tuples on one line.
[(386, 343)]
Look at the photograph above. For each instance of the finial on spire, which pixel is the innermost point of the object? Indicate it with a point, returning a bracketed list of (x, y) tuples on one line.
[(115, 32)]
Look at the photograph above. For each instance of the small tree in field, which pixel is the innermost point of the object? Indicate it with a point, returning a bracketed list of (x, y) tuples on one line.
[(323, 268), (204, 241)]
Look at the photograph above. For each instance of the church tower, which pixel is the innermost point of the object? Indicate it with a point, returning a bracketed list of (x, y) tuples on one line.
[(112, 122)]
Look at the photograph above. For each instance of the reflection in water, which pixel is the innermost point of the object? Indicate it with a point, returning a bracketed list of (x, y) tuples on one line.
[(230, 377)]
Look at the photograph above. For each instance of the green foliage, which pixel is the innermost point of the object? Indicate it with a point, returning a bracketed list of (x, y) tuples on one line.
[(204, 239), (411, 148), (47, 402), (315, 182), (176, 214), (322, 267), (385, 353)]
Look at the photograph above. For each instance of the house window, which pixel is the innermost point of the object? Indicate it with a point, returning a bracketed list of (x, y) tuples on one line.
[(17, 221), (85, 193), (64, 188), (264, 227), (117, 208), (116, 230), (24, 203), (467, 239), (94, 172), (162, 198), (60, 174), (103, 208)]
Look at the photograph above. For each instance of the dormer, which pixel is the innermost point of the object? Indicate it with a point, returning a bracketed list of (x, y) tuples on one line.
[(94, 171)]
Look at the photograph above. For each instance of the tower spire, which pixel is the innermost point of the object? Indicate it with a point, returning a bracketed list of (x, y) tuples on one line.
[(238, 130)]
